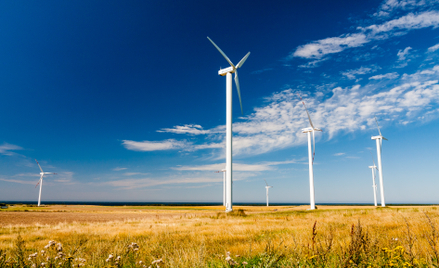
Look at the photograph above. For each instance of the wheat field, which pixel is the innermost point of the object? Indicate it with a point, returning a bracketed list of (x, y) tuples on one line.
[(284, 236)]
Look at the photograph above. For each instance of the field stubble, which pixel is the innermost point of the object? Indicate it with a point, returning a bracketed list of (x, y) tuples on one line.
[(206, 237)]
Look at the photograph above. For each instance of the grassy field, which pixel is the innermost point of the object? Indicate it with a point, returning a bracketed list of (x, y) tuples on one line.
[(285, 236)]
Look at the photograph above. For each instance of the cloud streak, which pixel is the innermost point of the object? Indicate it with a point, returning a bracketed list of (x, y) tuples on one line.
[(320, 48)]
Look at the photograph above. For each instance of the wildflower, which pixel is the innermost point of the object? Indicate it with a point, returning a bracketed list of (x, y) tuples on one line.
[(157, 261), (43, 264), (140, 262), (42, 252), (118, 258), (59, 247), (244, 263)]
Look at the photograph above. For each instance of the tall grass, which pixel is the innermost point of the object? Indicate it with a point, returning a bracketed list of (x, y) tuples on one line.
[(404, 237)]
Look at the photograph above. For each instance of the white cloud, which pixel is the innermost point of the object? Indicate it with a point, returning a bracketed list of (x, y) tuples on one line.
[(145, 146), (399, 26), (134, 174), (6, 148), (277, 125), (186, 129), (402, 54), (339, 154), (318, 49), (128, 184), (236, 166), (119, 168), (19, 181), (433, 48), (352, 74), (393, 75)]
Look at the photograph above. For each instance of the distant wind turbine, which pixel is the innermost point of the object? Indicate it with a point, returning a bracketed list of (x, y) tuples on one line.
[(266, 190), (379, 142), (228, 73), (224, 185), (311, 154), (40, 182), (374, 186)]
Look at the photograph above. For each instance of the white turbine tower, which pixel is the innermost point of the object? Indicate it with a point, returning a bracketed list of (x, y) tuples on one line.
[(266, 190), (40, 182), (379, 142), (224, 185), (311, 154), (374, 186), (228, 73)]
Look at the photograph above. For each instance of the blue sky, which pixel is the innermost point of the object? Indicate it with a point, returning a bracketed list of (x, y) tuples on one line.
[(123, 99)]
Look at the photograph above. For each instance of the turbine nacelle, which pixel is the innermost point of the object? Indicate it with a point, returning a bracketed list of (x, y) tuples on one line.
[(378, 137), (224, 71), (375, 167), (47, 173), (310, 129)]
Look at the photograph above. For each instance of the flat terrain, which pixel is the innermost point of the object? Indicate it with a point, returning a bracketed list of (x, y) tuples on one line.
[(276, 236)]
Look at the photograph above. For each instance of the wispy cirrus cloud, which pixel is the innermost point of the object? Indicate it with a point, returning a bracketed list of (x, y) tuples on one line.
[(277, 124), (395, 27), (237, 166), (393, 75), (433, 48), (146, 146), (119, 168), (352, 74), (6, 149), (186, 129)]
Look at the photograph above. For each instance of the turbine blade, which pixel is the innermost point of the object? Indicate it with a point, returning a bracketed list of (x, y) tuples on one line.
[(39, 165), (222, 53), (309, 117), (41, 178), (378, 125), (266, 182), (241, 62), (373, 160), (239, 91)]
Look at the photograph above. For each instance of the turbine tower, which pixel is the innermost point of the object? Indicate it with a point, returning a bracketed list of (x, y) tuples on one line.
[(40, 182), (311, 153), (374, 186), (379, 142), (224, 185), (228, 73), (266, 190)]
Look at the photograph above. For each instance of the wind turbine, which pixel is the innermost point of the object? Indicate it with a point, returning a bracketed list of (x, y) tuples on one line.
[(311, 154), (40, 182), (266, 190), (374, 186), (228, 73), (379, 142), (224, 185)]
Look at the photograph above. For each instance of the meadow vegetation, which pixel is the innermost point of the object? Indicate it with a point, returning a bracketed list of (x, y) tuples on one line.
[(248, 237)]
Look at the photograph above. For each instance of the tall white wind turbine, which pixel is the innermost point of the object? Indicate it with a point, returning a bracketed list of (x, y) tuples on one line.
[(374, 186), (267, 187), (40, 182), (224, 185), (311, 153), (379, 142), (228, 73)]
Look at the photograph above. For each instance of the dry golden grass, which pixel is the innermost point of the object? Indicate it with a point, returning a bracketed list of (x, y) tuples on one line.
[(332, 236)]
